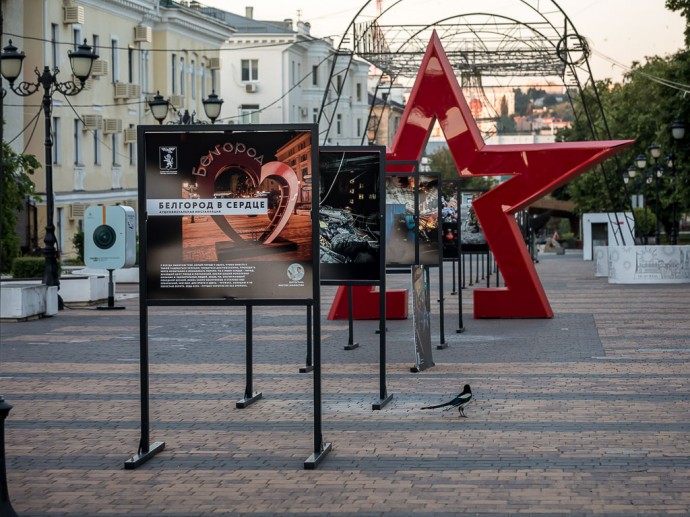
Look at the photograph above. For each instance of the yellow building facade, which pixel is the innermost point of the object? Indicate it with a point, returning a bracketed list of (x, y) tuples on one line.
[(144, 47)]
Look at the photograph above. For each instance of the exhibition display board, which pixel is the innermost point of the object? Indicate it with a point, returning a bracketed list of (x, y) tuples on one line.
[(226, 218), (412, 219), (413, 244), (351, 232)]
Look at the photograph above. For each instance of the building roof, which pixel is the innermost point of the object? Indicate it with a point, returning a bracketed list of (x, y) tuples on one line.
[(244, 25)]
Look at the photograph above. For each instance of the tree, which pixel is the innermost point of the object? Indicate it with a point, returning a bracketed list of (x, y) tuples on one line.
[(506, 123), (441, 161), (684, 7), (16, 187), (642, 108)]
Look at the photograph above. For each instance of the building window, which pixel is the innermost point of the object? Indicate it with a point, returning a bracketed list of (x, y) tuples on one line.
[(57, 143), (174, 74), (192, 66), (95, 43), (359, 127), (249, 113), (339, 84), (250, 69), (55, 54), (315, 115), (339, 124), (130, 64), (359, 92), (115, 60), (77, 142), (96, 147), (116, 154), (203, 80), (132, 151), (315, 75), (145, 64), (76, 36), (182, 76)]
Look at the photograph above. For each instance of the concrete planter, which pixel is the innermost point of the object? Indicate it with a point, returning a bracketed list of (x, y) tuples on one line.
[(120, 276), (649, 264), (20, 300), (601, 261), (85, 289)]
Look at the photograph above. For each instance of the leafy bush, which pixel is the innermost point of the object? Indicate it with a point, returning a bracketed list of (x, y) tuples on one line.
[(645, 222), (29, 267), (78, 243)]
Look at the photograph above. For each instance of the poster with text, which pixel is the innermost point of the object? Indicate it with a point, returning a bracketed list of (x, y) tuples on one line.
[(349, 213), (402, 239), (228, 212)]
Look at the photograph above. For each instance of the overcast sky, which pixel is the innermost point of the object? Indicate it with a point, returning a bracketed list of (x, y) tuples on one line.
[(622, 30)]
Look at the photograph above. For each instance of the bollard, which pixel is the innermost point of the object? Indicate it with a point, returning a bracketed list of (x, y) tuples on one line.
[(6, 509)]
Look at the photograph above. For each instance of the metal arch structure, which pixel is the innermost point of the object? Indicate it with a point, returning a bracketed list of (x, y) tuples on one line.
[(536, 45)]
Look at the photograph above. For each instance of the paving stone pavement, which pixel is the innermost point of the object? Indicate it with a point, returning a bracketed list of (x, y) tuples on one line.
[(583, 414)]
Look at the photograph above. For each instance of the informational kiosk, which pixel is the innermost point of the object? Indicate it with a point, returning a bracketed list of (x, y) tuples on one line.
[(225, 220)]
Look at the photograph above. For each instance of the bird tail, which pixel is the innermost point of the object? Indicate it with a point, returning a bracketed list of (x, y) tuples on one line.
[(436, 407)]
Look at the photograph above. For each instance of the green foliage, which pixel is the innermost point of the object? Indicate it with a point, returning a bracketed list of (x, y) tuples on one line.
[(506, 123), (645, 222), (442, 162), (642, 108), (684, 7), (78, 243), (16, 187), (29, 267)]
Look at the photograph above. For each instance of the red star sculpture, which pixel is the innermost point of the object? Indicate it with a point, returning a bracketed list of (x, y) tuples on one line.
[(536, 170)]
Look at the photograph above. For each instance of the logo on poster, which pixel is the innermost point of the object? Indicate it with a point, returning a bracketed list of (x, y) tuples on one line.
[(295, 272), (167, 160)]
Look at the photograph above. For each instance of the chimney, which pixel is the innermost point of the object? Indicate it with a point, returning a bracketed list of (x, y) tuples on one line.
[(249, 12)]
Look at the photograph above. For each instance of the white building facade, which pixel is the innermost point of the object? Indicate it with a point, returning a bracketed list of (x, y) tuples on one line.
[(276, 73)]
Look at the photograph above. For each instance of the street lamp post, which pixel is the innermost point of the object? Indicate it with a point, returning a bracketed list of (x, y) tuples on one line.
[(159, 109), (657, 172), (630, 177), (678, 133), (81, 61)]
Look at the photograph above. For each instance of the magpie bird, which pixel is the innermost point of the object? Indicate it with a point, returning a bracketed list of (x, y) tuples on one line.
[(459, 402)]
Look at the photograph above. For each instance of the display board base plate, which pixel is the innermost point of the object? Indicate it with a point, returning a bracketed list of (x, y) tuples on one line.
[(382, 403), (139, 459), (317, 457), (247, 401)]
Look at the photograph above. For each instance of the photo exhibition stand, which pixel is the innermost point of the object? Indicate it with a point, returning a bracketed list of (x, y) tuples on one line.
[(416, 261), (353, 186), (454, 253), (169, 157)]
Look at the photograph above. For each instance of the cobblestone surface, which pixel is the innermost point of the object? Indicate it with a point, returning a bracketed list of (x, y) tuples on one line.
[(583, 414)]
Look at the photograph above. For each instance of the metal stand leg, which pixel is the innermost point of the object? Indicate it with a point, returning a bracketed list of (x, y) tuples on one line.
[(249, 395), (453, 277), (5, 504), (321, 449), (309, 366), (384, 397), (441, 317), (111, 295), (470, 282), (351, 345), (146, 450), (461, 280)]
